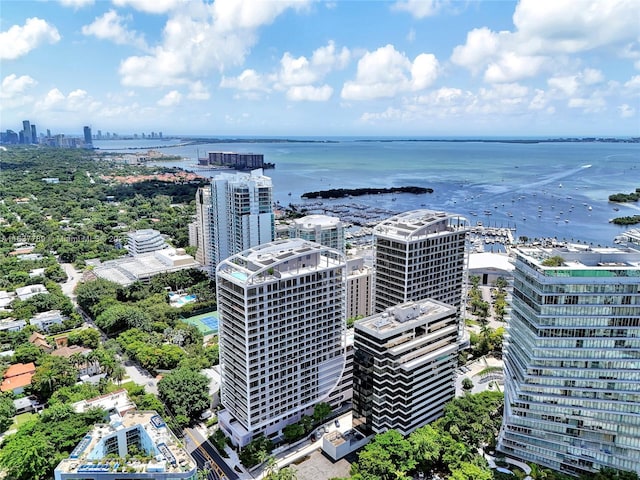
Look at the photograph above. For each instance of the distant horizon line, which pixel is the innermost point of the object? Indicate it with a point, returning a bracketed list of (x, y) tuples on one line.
[(375, 138)]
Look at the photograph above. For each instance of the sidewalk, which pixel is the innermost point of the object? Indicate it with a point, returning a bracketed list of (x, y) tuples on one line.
[(292, 453), (521, 465)]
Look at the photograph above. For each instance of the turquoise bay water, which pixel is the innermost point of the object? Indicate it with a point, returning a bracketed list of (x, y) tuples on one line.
[(543, 189)]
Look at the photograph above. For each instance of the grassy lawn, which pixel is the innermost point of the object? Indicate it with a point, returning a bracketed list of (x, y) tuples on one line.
[(20, 419)]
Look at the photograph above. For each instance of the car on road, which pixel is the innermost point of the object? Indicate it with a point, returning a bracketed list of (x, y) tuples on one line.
[(337, 423)]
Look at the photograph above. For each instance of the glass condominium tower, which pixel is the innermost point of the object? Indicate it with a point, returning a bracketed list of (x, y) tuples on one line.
[(241, 213), (572, 359)]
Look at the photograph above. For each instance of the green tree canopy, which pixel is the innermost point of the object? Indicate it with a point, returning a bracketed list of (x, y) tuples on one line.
[(386, 456), (7, 411), (89, 294), (321, 411), (120, 317), (185, 392)]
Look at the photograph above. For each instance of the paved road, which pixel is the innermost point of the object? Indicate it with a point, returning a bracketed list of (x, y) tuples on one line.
[(206, 456), (73, 277), (140, 376)]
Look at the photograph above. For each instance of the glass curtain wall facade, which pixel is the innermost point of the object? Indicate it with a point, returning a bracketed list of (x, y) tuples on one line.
[(572, 360)]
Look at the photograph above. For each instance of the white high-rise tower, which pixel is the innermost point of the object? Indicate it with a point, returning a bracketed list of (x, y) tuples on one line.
[(241, 214), (420, 254), (282, 334)]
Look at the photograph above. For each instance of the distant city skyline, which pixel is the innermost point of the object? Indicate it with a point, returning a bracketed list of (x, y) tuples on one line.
[(302, 68)]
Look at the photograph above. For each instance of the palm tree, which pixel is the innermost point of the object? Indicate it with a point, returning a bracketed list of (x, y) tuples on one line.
[(78, 360), (537, 472), (118, 373)]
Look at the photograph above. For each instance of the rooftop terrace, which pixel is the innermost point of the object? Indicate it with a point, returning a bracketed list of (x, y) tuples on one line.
[(164, 453)]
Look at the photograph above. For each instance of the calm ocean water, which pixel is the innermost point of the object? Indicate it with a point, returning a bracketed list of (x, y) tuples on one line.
[(543, 189)]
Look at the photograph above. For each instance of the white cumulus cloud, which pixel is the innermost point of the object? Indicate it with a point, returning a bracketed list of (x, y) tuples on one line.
[(418, 8), (20, 40), (14, 91), (310, 93), (149, 6), (566, 84), (171, 99), (248, 80), (302, 71), (544, 29), (110, 26), (76, 3), (510, 67), (12, 85), (387, 72), (626, 111), (200, 38), (76, 101), (633, 83), (567, 27), (481, 46), (197, 91)]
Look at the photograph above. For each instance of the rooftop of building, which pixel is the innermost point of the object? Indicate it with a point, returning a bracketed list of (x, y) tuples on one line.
[(17, 381), (278, 259), (17, 376), (240, 177), (49, 314), (490, 260), (168, 456), (68, 351), (126, 270), (115, 401), (312, 221), (403, 317), (20, 369), (144, 234), (576, 257), (30, 290), (418, 224)]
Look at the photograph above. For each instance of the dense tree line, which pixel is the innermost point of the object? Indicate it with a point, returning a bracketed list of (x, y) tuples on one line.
[(83, 215), (631, 220), (147, 329), (625, 197), (42, 442), (356, 192)]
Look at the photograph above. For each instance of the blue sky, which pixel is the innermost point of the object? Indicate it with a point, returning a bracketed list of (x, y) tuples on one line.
[(253, 67)]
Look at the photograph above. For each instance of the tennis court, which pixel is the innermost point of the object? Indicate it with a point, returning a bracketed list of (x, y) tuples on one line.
[(207, 323)]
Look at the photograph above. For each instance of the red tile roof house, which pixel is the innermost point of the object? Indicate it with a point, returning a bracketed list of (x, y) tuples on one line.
[(17, 377)]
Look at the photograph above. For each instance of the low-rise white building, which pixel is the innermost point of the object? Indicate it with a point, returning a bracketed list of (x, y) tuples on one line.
[(127, 270), (12, 325), (115, 402), (104, 453), (24, 293), (145, 241), (45, 320)]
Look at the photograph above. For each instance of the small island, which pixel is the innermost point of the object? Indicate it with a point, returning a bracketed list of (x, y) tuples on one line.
[(357, 192), (625, 198)]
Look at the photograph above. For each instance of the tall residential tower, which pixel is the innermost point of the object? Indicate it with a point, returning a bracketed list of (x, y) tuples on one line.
[(282, 334), (420, 254), (572, 359), (241, 214)]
